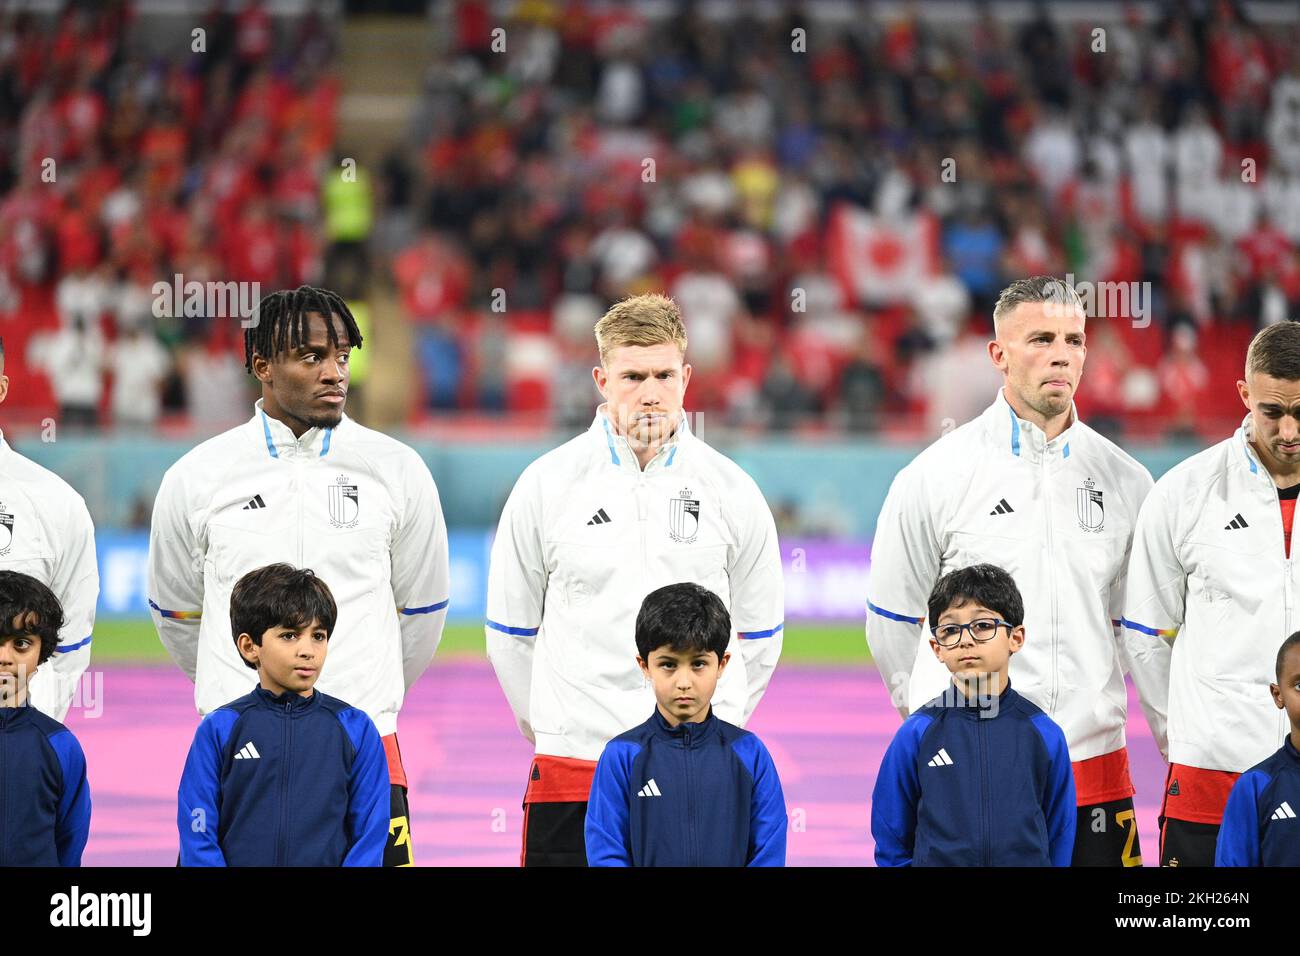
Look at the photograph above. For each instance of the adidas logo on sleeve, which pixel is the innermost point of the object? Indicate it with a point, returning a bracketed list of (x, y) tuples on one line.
[(941, 759), (1283, 812), (651, 789), (254, 503), (600, 518), (248, 752)]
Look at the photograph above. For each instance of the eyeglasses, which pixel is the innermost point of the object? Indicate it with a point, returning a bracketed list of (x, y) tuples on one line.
[(981, 630)]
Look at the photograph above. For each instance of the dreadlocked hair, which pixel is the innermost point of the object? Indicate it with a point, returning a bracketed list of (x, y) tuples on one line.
[(282, 322)]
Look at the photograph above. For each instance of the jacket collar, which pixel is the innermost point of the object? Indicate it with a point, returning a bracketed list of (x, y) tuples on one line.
[(279, 441), (1290, 748), (293, 702), (1024, 439), (1247, 458), (614, 448), (687, 734), (13, 715), (979, 707)]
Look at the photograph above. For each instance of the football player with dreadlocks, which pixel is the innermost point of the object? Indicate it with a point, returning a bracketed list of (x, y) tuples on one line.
[(302, 483)]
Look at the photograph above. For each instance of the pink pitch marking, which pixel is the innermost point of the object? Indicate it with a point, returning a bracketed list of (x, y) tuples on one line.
[(827, 730)]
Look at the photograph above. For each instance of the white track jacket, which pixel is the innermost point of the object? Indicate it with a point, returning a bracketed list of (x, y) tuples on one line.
[(1209, 565), (584, 537), (1059, 517), (46, 532), (357, 507)]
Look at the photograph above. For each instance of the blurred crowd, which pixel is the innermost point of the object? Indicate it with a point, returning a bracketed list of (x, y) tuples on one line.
[(834, 204), (127, 168)]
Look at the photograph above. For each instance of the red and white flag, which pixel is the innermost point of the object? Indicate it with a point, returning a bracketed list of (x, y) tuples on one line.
[(878, 260)]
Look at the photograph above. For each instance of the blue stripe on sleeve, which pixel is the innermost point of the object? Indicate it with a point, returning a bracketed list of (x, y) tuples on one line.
[(755, 635), (428, 609), (517, 631), (72, 647), (894, 617)]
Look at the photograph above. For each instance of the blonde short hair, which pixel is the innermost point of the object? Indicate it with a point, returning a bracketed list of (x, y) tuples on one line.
[(650, 319)]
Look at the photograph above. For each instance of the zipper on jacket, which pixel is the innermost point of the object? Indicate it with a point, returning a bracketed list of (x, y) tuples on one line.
[(297, 493), (282, 845), (692, 854), (4, 791), (1051, 564), (639, 494), (985, 843)]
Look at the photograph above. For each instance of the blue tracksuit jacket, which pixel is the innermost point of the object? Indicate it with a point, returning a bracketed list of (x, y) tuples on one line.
[(1261, 822), (703, 794), (44, 797), (965, 785), (284, 781)]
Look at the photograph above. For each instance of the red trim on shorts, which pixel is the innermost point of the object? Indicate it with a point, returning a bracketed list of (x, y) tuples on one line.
[(1202, 794), (559, 780), (523, 845), (1102, 779), (396, 772)]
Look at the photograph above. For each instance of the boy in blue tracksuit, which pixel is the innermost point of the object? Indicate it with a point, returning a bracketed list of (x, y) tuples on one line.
[(685, 788), (286, 775), (979, 776), (1261, 821), (44, 797)]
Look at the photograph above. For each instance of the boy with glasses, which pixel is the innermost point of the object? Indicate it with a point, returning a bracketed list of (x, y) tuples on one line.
[(979, 776)]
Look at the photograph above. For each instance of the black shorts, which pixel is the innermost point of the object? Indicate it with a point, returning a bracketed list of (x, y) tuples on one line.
[(1106, 834), (554, 834), (398, 850), (1184, 843)]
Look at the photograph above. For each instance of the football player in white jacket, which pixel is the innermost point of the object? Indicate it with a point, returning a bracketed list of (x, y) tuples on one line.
[(46, 531), (1212, 565), (302, 483), (591, 528), (1028, 487)]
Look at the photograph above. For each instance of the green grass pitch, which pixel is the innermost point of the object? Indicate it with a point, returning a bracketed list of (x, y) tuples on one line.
[(133, 640)]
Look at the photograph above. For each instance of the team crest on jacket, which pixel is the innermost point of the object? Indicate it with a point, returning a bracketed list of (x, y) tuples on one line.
[(684, 517), (6, 529), (1092, 513), (344, 503)]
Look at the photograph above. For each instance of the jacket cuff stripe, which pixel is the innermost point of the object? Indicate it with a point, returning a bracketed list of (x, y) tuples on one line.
[(517, 631), (755, 635), (894, 617), (61, 649), (1143, 629), (178, 615), (429, 609)]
